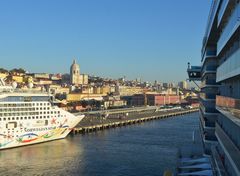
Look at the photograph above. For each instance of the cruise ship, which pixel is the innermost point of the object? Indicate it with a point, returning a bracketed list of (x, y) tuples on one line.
[(219, 74), (28, 117)]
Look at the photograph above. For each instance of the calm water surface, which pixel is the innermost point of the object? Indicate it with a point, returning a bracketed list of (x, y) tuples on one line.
[(144, 149)]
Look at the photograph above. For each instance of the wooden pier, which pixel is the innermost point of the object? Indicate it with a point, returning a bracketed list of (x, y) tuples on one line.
[(93, 128)]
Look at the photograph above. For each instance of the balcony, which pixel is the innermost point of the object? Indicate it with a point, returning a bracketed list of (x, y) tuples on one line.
[(210, 68), (222, 10), (230, 105), (210, 116), (230, 28), (207, 125), (209, 82), (218, 166), (211, 19), (230, 68), (225, 11), (208, 138), (207, 96), (194, 73), (209, 53), (208, 110), (229, 148)]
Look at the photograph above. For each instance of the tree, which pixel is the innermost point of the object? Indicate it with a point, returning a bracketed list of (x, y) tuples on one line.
[(18, 70), (2, 70)]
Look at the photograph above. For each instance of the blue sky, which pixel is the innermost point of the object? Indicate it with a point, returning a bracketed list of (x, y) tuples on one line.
[(150, 39)]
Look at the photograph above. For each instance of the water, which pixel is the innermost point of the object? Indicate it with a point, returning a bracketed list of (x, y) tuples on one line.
[(144, 149)]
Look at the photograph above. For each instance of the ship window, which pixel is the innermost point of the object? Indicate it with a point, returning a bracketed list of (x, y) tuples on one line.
[(48, 112), (21, 118), (29, 117), (40, 104), (13, 118), (40, 117), (11, 125), (33, 117), (4, 119), (51, 112), (44, 108), (48, 108), (25, 118), (9, 118), (17, 118)]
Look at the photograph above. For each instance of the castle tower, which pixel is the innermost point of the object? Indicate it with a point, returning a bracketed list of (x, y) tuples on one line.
[(75, 73)]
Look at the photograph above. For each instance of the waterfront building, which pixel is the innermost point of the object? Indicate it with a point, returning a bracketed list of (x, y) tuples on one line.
[(183, 85), (84, 79), (220, 87), (73, 97), (154, 100), (3, 75), (128, 90), (165, 85)]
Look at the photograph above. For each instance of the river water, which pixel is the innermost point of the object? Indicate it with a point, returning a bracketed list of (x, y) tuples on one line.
[(143, 149)]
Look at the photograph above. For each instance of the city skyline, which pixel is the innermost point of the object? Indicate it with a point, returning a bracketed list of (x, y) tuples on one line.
[(109, 39)]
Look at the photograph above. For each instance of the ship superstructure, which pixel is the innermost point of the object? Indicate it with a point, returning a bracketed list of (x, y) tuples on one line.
[(220, 87)]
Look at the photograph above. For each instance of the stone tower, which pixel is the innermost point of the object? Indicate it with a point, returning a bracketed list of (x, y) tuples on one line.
[(75, 73)]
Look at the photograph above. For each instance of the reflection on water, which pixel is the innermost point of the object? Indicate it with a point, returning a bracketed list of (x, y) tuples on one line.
[(51, 158), (143, 149)]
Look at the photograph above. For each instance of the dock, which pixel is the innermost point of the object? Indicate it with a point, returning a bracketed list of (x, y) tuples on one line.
[(124, 122)]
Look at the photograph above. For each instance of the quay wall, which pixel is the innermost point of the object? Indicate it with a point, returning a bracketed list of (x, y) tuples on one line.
[(105, 123)]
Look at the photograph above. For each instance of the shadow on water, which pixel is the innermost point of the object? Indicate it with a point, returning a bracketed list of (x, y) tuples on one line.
[(144, 149)]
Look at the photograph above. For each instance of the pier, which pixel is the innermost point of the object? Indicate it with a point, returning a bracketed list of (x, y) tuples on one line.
[(113, 122)]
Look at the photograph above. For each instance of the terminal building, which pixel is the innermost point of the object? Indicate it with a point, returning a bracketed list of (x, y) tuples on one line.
[(219, 74)]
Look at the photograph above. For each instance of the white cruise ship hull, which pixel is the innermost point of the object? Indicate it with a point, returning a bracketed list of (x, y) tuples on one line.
[(27, 130)]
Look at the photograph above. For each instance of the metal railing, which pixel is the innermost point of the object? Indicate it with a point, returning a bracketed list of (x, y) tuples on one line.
[(229, 146)]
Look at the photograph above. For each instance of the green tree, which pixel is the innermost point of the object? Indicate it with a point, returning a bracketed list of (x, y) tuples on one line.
[(18, 70), (3, 70)]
